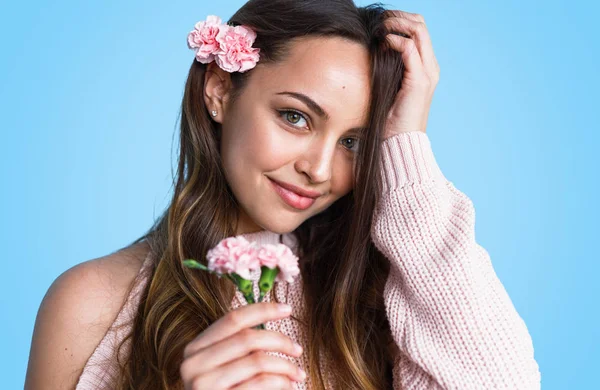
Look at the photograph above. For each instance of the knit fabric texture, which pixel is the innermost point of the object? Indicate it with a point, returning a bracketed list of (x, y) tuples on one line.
[(453, 322)]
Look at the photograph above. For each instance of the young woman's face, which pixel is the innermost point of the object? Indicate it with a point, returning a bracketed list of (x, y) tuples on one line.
[(272, 133)]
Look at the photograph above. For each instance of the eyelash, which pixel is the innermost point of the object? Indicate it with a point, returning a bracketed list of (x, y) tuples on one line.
[(284, 112)]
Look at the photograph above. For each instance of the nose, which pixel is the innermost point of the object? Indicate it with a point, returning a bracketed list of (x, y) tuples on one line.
[(317, 159)]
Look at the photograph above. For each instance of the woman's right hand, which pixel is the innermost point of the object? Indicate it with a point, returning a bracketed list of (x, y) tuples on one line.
[(228, 354)]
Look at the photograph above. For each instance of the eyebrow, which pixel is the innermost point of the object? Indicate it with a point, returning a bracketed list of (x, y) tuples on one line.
[(308, 101), (314, 106)]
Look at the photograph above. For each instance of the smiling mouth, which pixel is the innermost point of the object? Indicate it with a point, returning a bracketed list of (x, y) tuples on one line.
[(291, 198)]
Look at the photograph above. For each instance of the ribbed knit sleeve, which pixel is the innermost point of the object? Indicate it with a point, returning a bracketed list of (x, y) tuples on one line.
[(451, 318)]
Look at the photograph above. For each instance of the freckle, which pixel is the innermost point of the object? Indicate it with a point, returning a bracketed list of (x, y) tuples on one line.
[(344, 87)]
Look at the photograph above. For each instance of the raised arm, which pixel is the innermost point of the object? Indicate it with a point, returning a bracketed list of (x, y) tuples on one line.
[(452, 320)]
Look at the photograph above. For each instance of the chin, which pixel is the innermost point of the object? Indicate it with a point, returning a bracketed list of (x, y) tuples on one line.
[(281, 228), (276, 224)]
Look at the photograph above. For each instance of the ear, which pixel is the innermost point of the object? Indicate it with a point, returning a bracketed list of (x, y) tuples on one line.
[(217, 84)]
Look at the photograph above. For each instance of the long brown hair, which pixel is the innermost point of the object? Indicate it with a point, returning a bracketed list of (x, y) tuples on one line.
[(346, 320)]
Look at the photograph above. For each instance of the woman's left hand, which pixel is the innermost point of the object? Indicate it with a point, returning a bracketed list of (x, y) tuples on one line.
[(421, 72)]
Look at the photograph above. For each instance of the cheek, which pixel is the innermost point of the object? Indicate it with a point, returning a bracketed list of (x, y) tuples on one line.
[(272, 148), (256, 144), (342, 180)]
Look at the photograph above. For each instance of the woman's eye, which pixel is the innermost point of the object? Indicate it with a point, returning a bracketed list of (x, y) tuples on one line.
[(353, 146), (293, 117)]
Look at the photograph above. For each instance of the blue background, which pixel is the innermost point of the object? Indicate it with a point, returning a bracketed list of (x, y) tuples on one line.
[(89, 97)]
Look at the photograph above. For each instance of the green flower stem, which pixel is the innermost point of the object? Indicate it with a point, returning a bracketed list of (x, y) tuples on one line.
[(191, 263), (249, 298), (245, 286), (267, 278)]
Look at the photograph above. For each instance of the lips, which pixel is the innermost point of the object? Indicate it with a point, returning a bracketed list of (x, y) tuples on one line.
[(292, 198), (298, 190)]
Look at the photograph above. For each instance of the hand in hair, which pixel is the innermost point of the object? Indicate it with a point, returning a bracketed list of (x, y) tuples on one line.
[(229, 353), (421, 73)]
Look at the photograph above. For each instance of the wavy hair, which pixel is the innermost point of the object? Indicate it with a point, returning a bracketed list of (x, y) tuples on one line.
[(346, 319)]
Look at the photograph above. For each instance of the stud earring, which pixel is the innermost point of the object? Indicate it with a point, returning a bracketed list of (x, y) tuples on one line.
[(213, 113)]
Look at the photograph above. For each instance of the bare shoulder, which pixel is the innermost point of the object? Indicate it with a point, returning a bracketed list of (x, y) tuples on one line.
[(75, 314)]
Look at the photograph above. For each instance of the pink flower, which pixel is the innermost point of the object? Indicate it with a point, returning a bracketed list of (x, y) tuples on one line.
[(233, 254), (236, 54), (281, 256), (203, 38)]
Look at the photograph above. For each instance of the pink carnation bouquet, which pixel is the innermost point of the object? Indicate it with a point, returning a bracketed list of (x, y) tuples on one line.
[(235, 258)]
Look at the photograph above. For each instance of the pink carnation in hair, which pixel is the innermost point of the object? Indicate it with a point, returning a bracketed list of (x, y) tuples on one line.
[(203, 39), (280, 256), (233, 254), (237, 53)]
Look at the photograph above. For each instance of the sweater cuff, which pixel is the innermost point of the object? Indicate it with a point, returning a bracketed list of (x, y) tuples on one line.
[(407, 158)]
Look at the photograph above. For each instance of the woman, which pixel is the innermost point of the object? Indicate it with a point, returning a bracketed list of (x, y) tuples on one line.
[(394, 292)]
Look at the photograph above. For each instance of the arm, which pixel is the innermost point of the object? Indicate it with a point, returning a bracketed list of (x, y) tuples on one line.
[(452, 320)]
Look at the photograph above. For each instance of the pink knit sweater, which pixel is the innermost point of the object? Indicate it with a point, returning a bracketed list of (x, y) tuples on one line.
[(453, 322)]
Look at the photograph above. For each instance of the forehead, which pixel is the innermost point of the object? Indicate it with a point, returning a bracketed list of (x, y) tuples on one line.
[(335, 72)]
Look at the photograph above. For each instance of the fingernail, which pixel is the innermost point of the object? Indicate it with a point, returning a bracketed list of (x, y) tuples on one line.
[(297, 348), (301, 373), (285, 308)]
